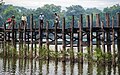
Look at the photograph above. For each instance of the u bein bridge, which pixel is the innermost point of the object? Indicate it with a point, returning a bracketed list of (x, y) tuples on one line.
[(103, 35)]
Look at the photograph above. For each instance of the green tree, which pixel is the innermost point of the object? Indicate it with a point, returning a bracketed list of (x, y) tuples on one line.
[(113, 10), (75, 10), (93, 11)]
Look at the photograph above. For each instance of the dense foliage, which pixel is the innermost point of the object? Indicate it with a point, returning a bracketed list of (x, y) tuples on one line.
[(48, 10)]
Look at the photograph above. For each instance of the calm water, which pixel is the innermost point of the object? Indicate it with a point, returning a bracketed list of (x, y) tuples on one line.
[(38, 67)]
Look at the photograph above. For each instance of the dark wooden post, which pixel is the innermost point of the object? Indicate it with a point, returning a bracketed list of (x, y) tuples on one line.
[(97, 33), (108, 34), (80, 35), (103, 37), (55, 37), (25, 50), (31, 30), (40, 36), (113, 40), (71, 38), (13, 38), (19, 32), (88, 35), (47, 37), (35, 37), (5, 50), (63, 37), (91, 25), (118, 34), (28, 37)]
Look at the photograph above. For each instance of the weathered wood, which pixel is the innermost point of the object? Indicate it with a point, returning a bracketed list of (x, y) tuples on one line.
[(63, 38), (118, 34), (88, 35), (55, 37), (91, 25), (71, 39), (13, 38), (31, 30), (108, 33), (103, 37), (47, 37), (40, 36), (4, 46), (97, 33), (19, 33), (80, 36), (113, 40), (35, 38), (25, 50)]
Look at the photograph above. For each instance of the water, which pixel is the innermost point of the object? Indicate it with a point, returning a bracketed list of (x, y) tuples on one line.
[(40, 67)]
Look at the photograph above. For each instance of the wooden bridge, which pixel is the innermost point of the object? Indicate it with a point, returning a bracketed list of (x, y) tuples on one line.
[(100, 35)]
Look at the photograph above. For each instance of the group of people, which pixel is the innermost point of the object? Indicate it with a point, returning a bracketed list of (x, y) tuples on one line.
[(10, 21)]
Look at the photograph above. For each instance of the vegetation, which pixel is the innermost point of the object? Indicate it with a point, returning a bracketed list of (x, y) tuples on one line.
[(49, 9)]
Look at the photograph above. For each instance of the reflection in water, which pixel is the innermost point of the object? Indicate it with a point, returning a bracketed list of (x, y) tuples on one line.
[(40, 67)]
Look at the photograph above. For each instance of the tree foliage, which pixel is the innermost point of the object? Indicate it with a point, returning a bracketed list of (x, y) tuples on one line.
[(48, 10)]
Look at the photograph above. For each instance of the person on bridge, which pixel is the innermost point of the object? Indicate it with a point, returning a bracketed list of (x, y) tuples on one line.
[(10, 22), (23, 20), (41, 18), (57, 19)]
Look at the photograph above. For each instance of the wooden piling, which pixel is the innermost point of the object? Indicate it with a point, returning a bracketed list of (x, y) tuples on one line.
[(25, 48), (47, 37), (55, 37), (40, 36), (80, 36), (19, 33), (35, 38), (71, 39), (88, 35), (108, 33), (97, 33), (31, 30), (103, 37), (13, 38), (113, 40), (63, 38), (91, 25), (118, 34), (4, 46)]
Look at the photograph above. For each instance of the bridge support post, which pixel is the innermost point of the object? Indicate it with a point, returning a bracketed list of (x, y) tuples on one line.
[(80, 25), (47, 37), (64, 38), (71, 40), (118, 34), (108, 34), (4, 48), (31, 30)]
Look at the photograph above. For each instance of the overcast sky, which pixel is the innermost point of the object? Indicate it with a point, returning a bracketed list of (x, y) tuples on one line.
[(100, 4)]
